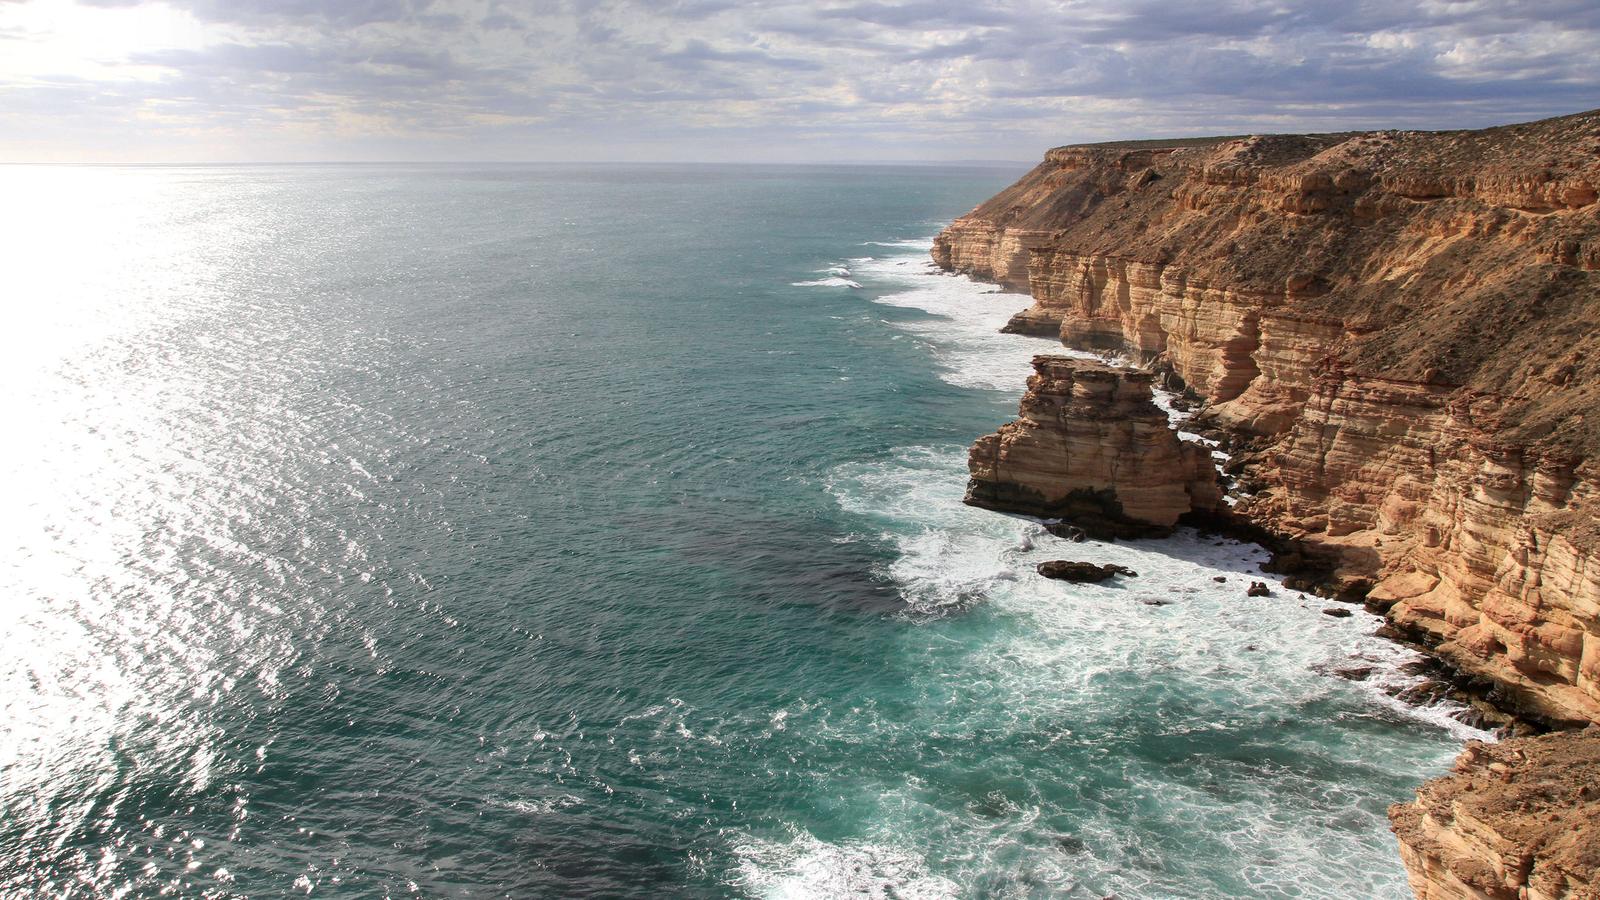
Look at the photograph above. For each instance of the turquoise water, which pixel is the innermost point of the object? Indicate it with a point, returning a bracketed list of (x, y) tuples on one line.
[(532, 531)]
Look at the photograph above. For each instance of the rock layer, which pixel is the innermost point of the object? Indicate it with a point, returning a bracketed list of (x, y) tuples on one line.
[(1400, 334), (1092, 448), (1400, 329), (1519, 820)]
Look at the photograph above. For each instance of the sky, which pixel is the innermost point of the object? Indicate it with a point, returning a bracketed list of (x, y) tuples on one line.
[(758, 81)]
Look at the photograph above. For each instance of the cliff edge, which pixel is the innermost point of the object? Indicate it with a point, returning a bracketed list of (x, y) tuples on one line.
[(1398, 335), (1516, 821), (1398, 332)]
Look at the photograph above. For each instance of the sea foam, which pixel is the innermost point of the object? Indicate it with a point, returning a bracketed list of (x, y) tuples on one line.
[(952, 555), (837, 277), (963, 330), (1199, 736), (806, 867)]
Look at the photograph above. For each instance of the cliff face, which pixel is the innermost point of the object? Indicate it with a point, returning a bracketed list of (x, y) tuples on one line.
[(1091, 446), (1400, 329), (1518, 820), (1485, 546)]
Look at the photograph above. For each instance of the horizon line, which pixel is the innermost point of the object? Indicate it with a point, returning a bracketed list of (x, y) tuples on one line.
[(984, 163)]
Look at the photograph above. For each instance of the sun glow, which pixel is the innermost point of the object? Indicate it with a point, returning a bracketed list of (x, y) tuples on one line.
[(51, 39)]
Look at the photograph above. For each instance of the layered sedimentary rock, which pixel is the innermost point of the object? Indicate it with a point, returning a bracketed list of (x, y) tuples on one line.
[(1486, 547), (1091, 447), (1519, 820), (1401, 330)]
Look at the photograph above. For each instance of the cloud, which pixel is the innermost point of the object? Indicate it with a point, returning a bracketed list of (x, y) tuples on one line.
[(695, 53), (924, 14), (763, 79)]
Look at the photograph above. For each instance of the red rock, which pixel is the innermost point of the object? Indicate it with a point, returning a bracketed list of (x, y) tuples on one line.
[(1518, 819), (1092, 449), (1405, 328), (1402, 331)]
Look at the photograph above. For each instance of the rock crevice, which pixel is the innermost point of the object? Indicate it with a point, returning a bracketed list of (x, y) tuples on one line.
[(1400, 329), (1091, 447), (1399, 335)]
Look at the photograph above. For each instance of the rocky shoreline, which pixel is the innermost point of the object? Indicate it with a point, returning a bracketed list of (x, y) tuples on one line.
[(1515, 820), (1396, 335)]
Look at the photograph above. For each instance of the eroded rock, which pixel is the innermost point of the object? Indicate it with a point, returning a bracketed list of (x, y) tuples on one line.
[(1518, 820), (1081, 572), (1400, 330), (1092, 449)]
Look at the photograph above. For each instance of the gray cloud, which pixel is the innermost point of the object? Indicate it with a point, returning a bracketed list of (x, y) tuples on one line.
[(696, 52), (791, 79), (924, 14)]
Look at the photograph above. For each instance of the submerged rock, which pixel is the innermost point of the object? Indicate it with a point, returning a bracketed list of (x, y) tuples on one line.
[(1067, 530), (1071, 844)]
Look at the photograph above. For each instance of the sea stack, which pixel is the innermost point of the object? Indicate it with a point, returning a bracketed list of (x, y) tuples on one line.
[(1400, 332), (1090, 447)]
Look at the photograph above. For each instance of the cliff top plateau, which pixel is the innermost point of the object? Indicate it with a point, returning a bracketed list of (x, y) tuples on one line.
[(1462, 259)]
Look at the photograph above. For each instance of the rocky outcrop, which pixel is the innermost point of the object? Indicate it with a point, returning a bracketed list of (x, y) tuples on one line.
[(1485, 548), (1519, 820), (1399, 330), (1082, 572), (1091, 448)]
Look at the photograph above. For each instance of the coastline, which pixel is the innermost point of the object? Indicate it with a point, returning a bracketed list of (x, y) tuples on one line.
[(1445, 859), (1471, 703), (1439, 478), (1278, 664)]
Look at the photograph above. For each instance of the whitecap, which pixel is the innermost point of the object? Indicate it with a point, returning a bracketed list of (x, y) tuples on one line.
[(806, 867), (966, 317), (830, 281), (541, 807)]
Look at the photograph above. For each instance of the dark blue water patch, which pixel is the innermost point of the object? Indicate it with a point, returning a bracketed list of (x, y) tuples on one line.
[(529, 531)]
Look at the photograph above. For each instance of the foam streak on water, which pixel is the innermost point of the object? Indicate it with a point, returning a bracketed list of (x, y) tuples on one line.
[(385, 531), (1159, 736)]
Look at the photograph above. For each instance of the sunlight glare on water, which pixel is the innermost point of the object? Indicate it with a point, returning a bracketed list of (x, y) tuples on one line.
[(118, 494), (541, 530)]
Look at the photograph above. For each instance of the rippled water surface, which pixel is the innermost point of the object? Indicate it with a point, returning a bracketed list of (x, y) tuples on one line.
[(518, 531)]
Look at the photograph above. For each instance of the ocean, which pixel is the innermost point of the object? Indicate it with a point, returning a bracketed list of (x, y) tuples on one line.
[(529, 531)]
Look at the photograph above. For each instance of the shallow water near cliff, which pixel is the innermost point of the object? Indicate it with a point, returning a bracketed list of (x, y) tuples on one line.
[(523, 531)]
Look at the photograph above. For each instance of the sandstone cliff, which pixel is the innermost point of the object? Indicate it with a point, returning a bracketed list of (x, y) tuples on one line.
[(1401, 332), (1091, 446), (1518, 820)]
